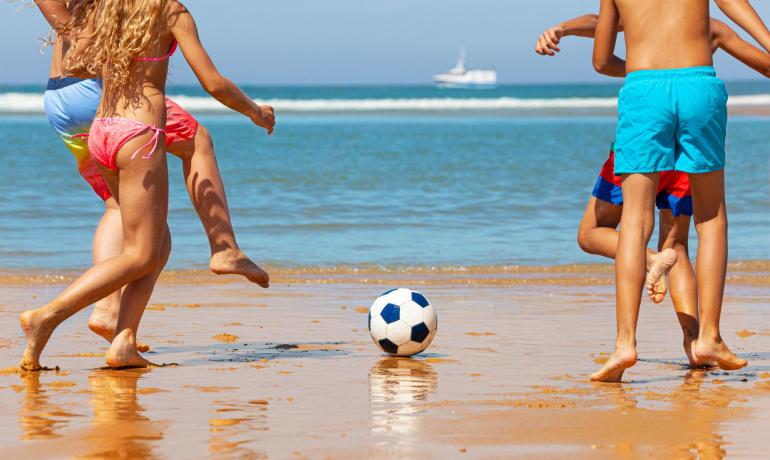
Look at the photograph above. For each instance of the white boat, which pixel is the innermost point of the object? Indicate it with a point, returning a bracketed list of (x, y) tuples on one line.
[(460, 77)]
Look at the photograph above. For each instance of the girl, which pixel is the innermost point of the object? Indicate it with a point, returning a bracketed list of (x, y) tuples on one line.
[(128, 43), (71, 105)]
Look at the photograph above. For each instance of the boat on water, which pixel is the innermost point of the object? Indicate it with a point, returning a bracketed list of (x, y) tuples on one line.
[(461, 77)]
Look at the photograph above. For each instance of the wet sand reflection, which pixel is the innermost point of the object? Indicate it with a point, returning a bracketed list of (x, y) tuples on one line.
[(119, 428), (39, 417), (398, 389)]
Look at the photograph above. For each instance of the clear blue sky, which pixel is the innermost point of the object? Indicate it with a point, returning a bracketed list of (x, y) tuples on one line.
[(358, 41)]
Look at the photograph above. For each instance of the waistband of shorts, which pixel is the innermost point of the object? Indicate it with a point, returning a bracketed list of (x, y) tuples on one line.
[(672, 74), (59, 83)]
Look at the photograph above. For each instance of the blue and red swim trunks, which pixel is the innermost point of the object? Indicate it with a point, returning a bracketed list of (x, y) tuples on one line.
[(673, 190)]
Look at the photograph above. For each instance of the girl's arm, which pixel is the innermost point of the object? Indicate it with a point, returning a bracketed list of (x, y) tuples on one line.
[(185, 32), (605, 61), (727, 39), (746, 16)]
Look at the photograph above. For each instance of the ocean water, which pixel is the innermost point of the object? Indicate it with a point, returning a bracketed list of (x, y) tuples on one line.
[(394, 176)]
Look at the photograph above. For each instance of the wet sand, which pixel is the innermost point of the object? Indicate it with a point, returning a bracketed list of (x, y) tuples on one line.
[(291, 372)]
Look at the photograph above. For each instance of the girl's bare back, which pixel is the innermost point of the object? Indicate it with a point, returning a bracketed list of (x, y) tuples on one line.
[(665, 34)]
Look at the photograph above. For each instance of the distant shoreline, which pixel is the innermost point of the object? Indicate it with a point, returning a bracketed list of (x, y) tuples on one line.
[(749, 272)]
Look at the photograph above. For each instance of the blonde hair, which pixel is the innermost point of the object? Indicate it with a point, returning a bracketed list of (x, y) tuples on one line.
[(109, 34)]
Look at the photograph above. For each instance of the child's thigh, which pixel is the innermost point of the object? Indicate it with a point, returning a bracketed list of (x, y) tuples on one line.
[(600, 213)]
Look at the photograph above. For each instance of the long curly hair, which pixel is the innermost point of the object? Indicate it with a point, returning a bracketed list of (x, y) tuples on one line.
[(109, 34)]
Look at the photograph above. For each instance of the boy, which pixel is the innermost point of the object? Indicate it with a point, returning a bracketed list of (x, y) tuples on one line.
[(672, 116), (598, 234)]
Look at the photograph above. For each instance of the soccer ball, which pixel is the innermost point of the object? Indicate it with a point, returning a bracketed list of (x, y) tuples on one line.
[(402, 322)]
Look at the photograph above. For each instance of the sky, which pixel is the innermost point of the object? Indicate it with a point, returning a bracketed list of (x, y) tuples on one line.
[(288, 42)]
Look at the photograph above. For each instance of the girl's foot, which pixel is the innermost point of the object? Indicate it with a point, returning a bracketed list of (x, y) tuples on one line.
[(102, 323), (123, 353), (656, 284), (613, 369), (235, 262), (715, 351), (37, 328)]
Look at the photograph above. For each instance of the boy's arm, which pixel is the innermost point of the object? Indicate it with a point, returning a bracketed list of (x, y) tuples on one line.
[(56, 13), (727, 39), (582, 26), (605, 61), (222, 89), (743, 14)]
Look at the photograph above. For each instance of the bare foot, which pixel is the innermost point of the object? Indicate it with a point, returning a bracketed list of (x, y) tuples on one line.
[(613, 369), (123, 353), (103, 324), (235, 262), (37, 329), (688, 344), (656, 282), (706, 352)]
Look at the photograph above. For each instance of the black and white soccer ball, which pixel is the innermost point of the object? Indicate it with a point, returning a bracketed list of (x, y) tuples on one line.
[(402, 322)]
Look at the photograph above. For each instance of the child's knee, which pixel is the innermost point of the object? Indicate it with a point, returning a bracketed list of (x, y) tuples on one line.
[(143, 262), (202, 136), (583, 240)]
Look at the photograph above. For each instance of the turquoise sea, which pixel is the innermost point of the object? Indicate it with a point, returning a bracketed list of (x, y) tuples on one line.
[(389, 176)]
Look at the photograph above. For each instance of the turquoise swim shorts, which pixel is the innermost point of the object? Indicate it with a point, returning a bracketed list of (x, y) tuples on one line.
[(674, 119)]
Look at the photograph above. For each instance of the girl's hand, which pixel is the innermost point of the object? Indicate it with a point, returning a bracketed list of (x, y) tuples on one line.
[(265, 118), (548, 43)]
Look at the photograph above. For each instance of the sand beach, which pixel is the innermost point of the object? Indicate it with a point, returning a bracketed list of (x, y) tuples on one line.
[(291, 372)]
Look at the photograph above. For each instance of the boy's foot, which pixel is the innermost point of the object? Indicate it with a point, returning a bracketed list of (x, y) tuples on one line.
[(37, 329), (123, 353), (613, 369), (656, 282), (103, 324), (706, 352), (235, 262)]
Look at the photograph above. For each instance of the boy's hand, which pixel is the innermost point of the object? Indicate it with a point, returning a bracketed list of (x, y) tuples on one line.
[(548, 42), (265, 118)]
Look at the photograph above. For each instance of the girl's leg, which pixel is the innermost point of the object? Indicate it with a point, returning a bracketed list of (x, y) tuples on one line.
[(708, 193), (144, 208), (108, 242), (124, 351), (636, 228), (674, 234), (207, 194)]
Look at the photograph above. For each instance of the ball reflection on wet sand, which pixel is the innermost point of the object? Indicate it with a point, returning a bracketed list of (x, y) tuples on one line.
[(398, 388)]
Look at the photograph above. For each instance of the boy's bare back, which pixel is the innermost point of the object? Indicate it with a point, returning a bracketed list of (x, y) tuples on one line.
[(665, 34)]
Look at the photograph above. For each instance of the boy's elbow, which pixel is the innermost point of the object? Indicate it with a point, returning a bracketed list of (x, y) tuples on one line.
[(601, 65)]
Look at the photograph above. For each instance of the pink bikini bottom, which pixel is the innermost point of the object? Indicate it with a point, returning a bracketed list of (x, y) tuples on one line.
[(109, 135)]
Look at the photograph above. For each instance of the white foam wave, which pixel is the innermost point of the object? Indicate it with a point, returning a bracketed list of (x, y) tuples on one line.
[(28, 103)]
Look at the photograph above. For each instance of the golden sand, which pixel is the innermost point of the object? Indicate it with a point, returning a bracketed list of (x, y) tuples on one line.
[(744, 333), (225, 338), (308, 383)]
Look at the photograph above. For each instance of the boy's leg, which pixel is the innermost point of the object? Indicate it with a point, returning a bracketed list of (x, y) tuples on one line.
[(708, 194), (674, 234), (207, 194), (597, 233), (636, 228), (108, 243)]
